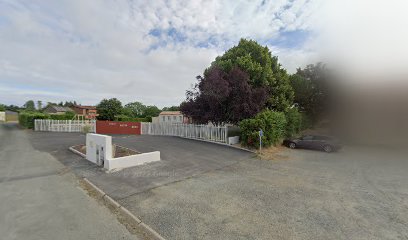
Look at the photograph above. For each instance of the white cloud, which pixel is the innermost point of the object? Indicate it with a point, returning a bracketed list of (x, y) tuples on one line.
[(89, 50)]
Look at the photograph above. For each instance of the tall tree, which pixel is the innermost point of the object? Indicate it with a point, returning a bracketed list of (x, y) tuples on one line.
[(109, 108), (222, 97), (29, 105), (151, 111), (2, 108), (134, 109), (311, 90), (39, 105), (263, 69), (172, 108)]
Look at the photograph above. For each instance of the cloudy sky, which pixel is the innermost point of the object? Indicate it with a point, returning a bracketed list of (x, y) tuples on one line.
[(137, 50)]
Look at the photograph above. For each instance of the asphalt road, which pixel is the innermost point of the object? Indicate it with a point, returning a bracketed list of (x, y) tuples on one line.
[(40, 198), (206, 191)]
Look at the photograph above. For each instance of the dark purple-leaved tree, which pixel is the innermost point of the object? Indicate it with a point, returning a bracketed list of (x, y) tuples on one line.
[(221, 97)]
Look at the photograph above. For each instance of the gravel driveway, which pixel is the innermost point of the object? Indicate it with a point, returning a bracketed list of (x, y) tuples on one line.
[(221, 193)]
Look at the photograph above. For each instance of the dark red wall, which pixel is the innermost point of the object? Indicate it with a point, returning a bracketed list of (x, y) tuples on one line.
[(109, 127)]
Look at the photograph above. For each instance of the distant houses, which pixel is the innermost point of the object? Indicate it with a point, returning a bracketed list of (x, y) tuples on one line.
[(55, 109), (85, 112), (81, 112), (171, 117)]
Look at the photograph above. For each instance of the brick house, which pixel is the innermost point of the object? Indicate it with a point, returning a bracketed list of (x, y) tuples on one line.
[(85, 112), (55, 109)]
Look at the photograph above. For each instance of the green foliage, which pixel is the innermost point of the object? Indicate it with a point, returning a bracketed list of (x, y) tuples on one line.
[(172, 108), (264, 71), (65, 116), (293, 122), (86, 128), (2, 108), (311, 90), (152, 111), (134, 109), (125, 118), (26, 118), (39, 105), (29, 105), (273, 125), (109, 108)]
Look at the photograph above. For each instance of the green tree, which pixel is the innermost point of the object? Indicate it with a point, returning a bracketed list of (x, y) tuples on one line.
[(151, 111), (172, 108), (134, 109), (39, 105), (29, 105), (2, 108), (109, 108), (311, 90), (264, 71)]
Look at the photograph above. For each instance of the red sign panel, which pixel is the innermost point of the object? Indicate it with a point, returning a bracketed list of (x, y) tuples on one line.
[(109, 127)]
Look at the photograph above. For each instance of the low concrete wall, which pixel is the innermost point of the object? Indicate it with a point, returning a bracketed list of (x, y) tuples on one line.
[(131, 161), (233, 140), (2, 116), (99, 151)]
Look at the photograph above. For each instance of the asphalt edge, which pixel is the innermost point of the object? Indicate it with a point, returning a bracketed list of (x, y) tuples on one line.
[(76, 151), (219, 143), (112, 204)]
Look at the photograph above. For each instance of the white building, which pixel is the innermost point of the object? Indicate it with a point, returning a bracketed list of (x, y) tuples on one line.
[(171, 117)]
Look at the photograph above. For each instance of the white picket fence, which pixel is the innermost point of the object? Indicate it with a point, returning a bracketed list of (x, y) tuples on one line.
[(194, 131), (48, 125)]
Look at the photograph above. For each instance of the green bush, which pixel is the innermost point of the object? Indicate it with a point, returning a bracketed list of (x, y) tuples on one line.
[(26, 119), (125, 118), (65, 116), (293, 122), (273, 125)]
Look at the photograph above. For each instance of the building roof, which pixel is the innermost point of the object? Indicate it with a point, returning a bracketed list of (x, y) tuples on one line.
[(8, 112), (60, 108), (171, 113), (85, 107)]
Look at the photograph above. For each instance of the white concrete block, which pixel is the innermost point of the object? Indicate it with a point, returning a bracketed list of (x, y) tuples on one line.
[(131, 161), (233, 140), (98, 148)]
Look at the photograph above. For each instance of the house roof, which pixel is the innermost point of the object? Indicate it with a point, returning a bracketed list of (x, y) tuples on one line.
[(170, 113), (85, 107), (60, 108)]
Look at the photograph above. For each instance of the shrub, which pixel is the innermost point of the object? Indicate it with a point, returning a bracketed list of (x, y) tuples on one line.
[(65, 116), (125, 118), (273, 125), (26, 119), (86, 129), (293, 122)]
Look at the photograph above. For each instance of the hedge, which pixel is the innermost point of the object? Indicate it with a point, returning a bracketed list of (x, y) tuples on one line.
[(26, 119), (66, 116), (125, 118), (273, 125)]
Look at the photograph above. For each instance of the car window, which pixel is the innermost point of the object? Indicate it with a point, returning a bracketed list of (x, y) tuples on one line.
[(307, 138), (321, 138)]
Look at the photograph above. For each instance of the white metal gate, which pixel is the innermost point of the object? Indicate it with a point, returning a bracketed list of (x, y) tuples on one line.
[(48, 125), (194, 131)]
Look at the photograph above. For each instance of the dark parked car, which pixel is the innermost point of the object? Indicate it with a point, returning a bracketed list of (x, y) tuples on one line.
[(325, 143)]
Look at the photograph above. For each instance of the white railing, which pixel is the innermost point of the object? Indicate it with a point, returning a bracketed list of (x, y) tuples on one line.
[(48, 125), (194, 131)]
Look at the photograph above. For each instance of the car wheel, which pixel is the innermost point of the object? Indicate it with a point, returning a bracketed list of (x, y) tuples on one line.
[(327, 148), (292, 145)]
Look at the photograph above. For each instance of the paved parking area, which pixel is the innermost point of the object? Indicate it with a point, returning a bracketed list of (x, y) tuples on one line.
[(206, 191), (40, 198)]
